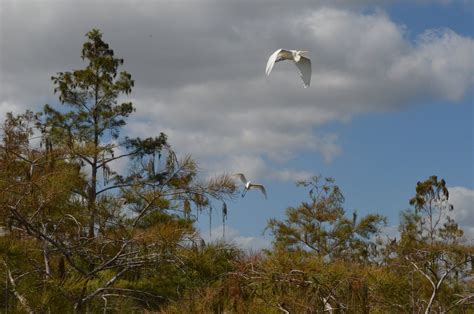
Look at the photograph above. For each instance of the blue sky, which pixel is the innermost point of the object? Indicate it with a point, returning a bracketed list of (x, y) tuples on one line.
[(385, 154), (456, 15), (391, 100)]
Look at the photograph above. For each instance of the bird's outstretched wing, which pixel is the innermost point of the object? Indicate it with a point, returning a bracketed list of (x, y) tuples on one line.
[(271, 61), (304, 65), (260, 187), (241, 177)]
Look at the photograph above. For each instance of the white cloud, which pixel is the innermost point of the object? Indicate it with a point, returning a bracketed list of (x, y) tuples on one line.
[(233, 235), (119, 165), (441, 63), (6, 107), (200, 77), (255, 169), (292, 175), (462, 199)]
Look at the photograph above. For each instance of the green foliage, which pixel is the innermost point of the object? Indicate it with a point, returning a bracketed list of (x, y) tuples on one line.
[(321, 226)]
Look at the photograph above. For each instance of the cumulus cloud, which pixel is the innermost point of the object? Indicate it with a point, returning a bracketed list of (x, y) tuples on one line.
[(462, 199), (6, 107), (200, 77), (256, 168), (232, 235)]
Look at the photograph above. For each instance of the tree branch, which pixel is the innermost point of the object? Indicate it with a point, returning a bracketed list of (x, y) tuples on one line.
[(116, 186), (103, 163)]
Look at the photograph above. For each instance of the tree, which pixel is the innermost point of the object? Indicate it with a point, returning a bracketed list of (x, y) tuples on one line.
[(432, 244), (92, 95), (320, 229), (321, 226)]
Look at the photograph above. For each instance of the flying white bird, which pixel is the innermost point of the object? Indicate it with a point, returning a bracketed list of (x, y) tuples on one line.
[(249, 185), (302, 63)]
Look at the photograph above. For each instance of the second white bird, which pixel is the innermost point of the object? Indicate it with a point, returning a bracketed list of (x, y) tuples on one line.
[(249, 185)]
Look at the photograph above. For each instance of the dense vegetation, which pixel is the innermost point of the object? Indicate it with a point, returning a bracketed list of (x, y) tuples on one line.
[(78, 236)]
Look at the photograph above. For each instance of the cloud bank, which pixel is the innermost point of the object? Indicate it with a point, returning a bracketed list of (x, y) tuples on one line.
[(462, 199), (200, 77)]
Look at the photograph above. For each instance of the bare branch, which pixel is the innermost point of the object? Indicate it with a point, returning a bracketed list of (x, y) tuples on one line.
[(103, 163)]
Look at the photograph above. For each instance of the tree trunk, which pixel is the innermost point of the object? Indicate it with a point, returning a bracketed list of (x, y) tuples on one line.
[(92, 199), (93, 184)]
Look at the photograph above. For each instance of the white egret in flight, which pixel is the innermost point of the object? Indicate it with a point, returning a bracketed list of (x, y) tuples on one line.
[(302, 63), (249, 185)]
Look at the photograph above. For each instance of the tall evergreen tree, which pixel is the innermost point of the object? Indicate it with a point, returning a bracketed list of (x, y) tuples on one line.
[(96, 117)]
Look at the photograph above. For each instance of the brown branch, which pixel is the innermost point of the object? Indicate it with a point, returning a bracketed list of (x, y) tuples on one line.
[(106, 161)]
